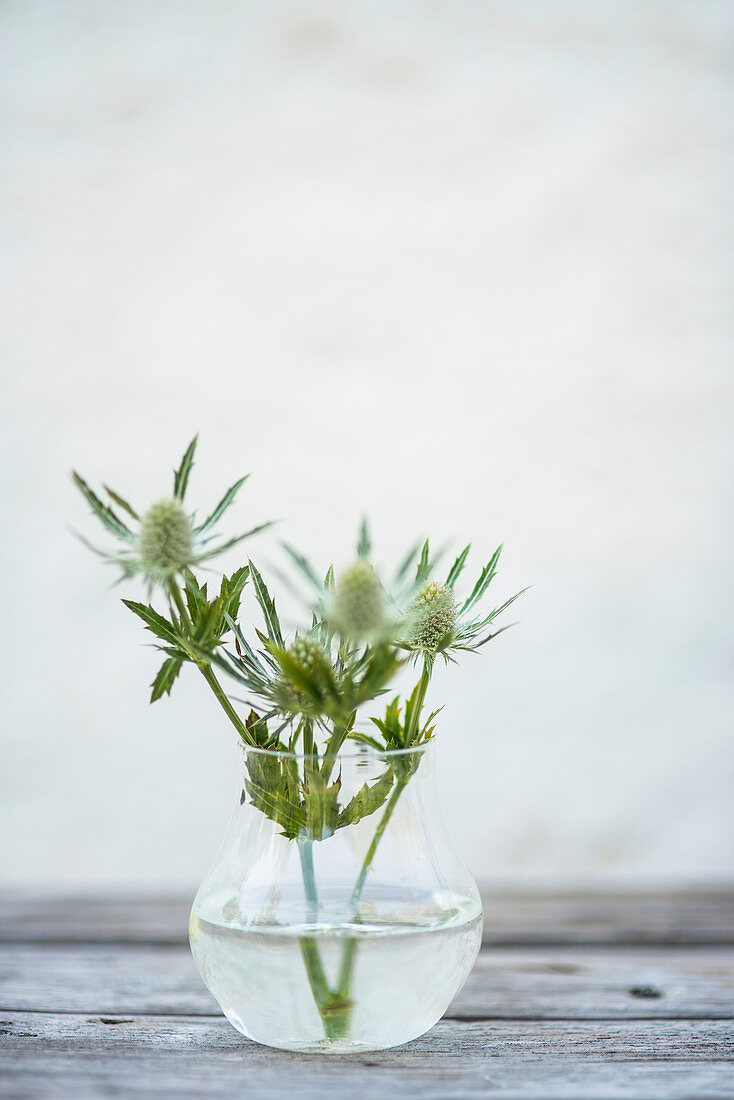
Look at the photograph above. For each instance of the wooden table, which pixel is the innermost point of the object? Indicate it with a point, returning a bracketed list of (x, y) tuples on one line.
[(574, 995)]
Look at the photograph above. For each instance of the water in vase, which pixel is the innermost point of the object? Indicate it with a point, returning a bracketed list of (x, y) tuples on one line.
[(406, 963)]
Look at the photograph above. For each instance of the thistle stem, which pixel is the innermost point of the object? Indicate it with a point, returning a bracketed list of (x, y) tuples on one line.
[(208, 673), (309, 949), (334, 1009), (349, 953), (377, 837)]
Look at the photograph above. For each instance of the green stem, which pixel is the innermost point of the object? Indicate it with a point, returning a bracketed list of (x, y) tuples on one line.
[(349, 953), (207, 671), (415, 718), (335, 742), (309, 949), (334, 1010), (377, 837)]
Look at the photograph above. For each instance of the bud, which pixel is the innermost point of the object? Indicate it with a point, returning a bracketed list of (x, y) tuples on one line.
[(432, 615), (166, 539), (359, 604), (312, 659), (313, 663)]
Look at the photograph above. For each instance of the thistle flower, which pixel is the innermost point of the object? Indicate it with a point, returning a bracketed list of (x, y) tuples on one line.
[(358, 606), (431, 618), (167, 540), (307, 681), (437, 624)]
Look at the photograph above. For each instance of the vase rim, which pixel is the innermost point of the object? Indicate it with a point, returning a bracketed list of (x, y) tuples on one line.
[(360, 753)]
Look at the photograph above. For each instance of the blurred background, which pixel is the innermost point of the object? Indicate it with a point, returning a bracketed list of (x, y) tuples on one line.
[(464, 266)]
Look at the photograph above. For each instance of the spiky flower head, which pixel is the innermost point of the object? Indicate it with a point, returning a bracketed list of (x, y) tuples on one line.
[(311, 658), (307, 680), (166, 539), (358, 609), (431, 617)]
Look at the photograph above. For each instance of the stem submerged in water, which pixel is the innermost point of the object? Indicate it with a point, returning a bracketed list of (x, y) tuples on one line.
[(334, 1009), (349, 952)]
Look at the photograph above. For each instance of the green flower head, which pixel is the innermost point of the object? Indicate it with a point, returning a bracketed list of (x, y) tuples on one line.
[(166, 539), (358, 608), (431, 617), (307, 680)]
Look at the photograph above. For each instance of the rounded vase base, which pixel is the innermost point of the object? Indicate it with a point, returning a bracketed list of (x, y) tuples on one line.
[(330, 1046)]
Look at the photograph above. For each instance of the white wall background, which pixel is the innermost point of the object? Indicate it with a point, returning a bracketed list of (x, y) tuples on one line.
[(467, 266)]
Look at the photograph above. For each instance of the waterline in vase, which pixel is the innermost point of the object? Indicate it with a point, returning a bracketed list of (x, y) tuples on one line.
[(406, 972)]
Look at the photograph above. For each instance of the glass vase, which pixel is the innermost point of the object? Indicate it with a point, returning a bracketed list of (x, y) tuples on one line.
[(337, 916)]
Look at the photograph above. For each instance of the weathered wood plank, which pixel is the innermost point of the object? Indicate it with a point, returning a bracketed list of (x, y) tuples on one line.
[(542, 917), (519, 983), (83, 1056)]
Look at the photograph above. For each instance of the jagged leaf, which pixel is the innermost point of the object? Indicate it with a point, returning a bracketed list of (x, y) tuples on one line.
[(181, 475), (103, 511), (165, 679), (223, 505)]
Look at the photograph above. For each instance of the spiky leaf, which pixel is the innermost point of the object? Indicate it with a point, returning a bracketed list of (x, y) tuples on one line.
[(164, 681), (267, 606), (121, 502), (485, 577), (181, 475), (103, 511), (367, 800), (155, 622), (223, 505), (458, 566)]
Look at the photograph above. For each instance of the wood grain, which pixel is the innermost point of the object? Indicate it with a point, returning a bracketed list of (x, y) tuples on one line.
[(605, 996), (520, 983), (512, 917), (84, 1056)]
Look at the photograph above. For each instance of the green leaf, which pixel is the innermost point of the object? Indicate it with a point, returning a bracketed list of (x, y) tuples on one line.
[(381, 666), (304, 565), (223, 660), (364, 543), (196, 596), (246, 651), (121, 502), (223, 505), (487, 638), (367, 800), (365, 739), (230, 594), (498, 610), (317, 685), (424, 565), (267, 606), (405, 564), (321, 803), (485, 578), (181, 475), (457, 568), (103, 512), (156, 623), (164, 681), (215, 551)]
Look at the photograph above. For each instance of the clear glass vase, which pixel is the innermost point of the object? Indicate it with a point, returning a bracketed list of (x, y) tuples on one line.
[(337, 916)]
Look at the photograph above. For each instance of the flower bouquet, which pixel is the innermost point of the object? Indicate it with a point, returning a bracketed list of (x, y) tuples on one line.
[(337, 916)]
